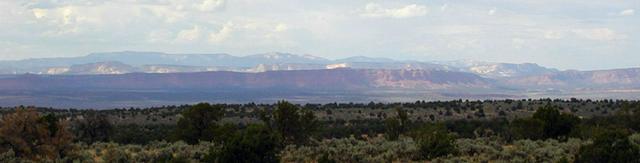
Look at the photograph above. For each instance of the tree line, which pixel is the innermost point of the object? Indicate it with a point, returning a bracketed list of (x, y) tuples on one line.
[(31, 135)]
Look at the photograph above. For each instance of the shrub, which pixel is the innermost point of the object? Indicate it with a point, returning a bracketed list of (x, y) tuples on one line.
[(152, 152), (527, 129), (33, 137), (141, 134), (198, 123), (395, 126), (292, 124), (93, 127), (256, 143), (493, 149), (612, 146), (434, 141), (556, 124), (376, 149)]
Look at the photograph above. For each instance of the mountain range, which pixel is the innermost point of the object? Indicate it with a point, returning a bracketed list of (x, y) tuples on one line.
[(125, 79), (156, 62)]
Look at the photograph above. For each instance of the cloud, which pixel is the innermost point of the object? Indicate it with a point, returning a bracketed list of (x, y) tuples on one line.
[(628, 12), (159, 36), (39, 13), (331, 28), (553, 35), (211, 5), (49, 4), (223, 34), (377, 11), (444, 7), (492, 11), (65, 20), (189, 35), (281, 27), (598, 34)]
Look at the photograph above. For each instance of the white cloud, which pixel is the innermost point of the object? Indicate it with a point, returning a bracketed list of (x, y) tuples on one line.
[(457, 30), (492, 11), (281, 27), (159, 36), (39, 13), (377, 11), (189, 35), (331, 28), (628, 12), (553, 35), (223, 34), (65, 20), (444, 7), (67, 15), (211, 5), (518, 43), (599, 34)]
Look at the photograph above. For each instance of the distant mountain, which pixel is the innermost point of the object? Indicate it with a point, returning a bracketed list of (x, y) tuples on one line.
[(157, 58), (182, 69), (392, 75), (114, 67), (156, 62), (336, 79), (364, 59), (101, 68), (500, 70), (283, 58), (315, 85), (392, 65), (611, 79)]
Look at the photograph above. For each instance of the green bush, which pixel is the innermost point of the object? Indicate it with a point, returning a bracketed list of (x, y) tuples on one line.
[(291, 124), (376, 149), (493, 149), (198, 123), (256, 143), (395, 126), (612, 146), (434, 141), (547, 122), (556, 124), (93, 127), (532, 129), (152, 152)]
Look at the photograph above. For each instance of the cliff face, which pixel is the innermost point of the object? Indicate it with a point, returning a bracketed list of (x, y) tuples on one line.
[(326, 85), (425, 79), (616, 78), (325, 79), (342, 79)]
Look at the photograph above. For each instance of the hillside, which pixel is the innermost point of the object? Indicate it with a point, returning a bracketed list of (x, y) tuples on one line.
[(333, 79)]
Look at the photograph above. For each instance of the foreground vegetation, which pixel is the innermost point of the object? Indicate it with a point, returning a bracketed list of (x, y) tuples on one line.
[(453, 131)]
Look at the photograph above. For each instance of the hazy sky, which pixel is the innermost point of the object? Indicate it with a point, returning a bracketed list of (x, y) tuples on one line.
[(566, 34)]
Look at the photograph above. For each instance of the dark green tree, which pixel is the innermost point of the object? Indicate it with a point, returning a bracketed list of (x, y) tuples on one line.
[(395, 126), (256, 143), (142, 134), (434, 141), (556, 124), (93, 127), (198, 123), (392, 128), (52, 123), (609, 147), (527, 129), (292, 124)]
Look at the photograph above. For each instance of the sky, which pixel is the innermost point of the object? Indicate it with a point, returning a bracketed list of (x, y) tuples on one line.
[(564, 34)]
